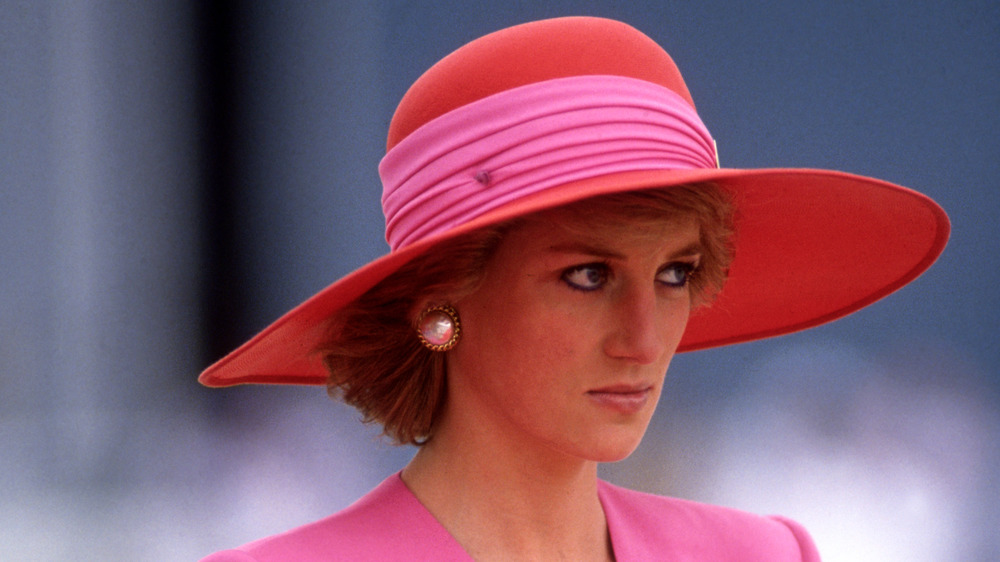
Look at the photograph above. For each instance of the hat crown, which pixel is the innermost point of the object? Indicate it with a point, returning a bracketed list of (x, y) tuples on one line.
[(529, 53)]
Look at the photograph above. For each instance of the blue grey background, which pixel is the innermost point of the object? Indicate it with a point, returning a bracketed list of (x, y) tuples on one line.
[(176, 175)]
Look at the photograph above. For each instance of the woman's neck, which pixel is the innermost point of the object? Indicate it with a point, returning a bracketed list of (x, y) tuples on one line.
[(501, 501)]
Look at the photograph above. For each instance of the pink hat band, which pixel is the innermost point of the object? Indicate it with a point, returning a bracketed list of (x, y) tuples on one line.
[(528, 139)]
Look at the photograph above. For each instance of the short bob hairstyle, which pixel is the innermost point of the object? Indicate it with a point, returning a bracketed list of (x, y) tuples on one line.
[(377, 364)]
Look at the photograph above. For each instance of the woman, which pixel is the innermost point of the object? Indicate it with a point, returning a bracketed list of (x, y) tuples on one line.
[(560, 227)]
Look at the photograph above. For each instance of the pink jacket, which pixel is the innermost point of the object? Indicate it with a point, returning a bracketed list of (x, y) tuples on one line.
[(389, 523)]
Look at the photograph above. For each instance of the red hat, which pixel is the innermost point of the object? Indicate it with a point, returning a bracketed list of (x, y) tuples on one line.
[(555, 111)]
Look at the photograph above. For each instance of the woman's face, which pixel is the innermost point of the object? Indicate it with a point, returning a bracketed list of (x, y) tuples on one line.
[(566, 343)]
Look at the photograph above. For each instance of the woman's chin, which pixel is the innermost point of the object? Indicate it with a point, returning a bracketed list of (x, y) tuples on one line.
[(608, 451)]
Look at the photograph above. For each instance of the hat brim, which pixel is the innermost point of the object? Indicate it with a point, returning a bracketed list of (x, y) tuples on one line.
[(811, 246)]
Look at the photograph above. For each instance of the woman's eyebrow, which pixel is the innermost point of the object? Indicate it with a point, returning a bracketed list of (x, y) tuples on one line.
[(586, 248), (692, 249)]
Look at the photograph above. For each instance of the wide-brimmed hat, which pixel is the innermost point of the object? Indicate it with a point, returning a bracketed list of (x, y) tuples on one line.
[(555, 111)]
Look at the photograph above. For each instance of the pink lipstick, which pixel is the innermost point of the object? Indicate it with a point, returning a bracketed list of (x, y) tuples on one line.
[(625, 399)]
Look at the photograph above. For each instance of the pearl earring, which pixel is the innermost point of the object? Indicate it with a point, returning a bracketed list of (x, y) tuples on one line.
[(438, 328)]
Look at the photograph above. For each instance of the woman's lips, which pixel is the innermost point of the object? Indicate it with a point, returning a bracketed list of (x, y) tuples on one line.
[(624, 399)]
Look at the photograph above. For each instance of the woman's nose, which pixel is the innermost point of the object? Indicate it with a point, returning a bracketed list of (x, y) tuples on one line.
[(644, 326)]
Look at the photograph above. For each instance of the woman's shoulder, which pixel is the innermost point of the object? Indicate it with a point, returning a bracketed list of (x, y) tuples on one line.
[(644, 525), (388, 523)]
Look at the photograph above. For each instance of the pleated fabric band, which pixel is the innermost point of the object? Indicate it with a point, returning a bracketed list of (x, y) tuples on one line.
[(522, 141)]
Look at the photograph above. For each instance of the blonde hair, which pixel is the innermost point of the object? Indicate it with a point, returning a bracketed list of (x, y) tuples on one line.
[(377, 364)]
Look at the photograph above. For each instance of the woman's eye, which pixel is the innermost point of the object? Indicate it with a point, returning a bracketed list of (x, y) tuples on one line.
[(586, 277), (676, 274)]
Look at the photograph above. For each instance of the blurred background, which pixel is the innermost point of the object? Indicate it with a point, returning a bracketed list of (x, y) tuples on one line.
[(178, 174)]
